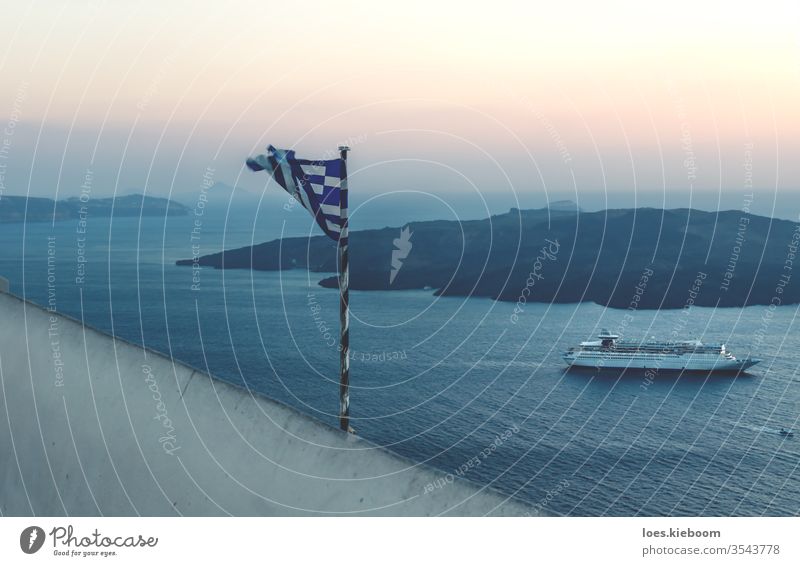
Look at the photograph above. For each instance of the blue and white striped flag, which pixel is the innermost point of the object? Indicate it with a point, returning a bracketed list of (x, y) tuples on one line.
[(315, 185)]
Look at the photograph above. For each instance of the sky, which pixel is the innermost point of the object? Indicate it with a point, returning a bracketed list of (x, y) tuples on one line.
[(506, 102)]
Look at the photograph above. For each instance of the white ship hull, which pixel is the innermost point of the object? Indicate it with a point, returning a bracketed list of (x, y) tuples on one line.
[(658, 363), (608, 352)]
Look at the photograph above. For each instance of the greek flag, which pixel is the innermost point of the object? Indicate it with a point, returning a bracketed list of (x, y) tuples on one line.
[(314, 184)]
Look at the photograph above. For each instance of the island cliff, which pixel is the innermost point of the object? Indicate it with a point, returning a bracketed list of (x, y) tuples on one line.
[(649, 258)]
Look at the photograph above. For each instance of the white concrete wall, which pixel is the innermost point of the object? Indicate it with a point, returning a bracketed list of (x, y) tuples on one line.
[(90, 437)]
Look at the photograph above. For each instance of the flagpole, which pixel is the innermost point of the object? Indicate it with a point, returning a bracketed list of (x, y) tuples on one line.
[(344, 302)]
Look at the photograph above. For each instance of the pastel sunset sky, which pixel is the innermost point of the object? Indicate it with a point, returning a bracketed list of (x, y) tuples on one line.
[(504, 98)]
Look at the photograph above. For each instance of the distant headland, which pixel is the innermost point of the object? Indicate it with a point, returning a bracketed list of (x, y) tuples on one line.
[(35, 209)]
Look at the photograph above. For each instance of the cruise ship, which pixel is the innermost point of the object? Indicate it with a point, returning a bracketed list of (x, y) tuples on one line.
[(609, 352)]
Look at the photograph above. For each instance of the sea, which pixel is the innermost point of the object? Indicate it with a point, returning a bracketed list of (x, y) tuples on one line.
[(470, 386)]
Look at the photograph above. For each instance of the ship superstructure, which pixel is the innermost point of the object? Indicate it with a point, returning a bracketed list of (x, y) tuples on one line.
[(608, 351)]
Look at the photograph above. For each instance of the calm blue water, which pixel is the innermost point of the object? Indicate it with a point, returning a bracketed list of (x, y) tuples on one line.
[(439, 379)]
